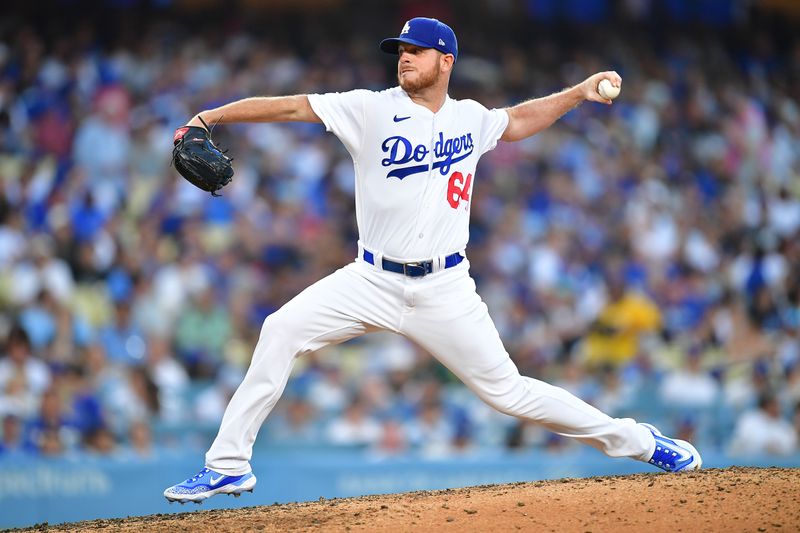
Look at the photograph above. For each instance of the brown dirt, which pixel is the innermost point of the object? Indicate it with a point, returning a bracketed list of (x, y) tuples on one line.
[(733, 499)]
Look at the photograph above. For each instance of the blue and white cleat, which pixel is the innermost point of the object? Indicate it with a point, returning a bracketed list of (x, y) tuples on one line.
[(673, 455), (208, 483)]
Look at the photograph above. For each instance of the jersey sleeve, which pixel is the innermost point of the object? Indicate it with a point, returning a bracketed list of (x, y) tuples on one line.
[(493, 125), (344, 114)]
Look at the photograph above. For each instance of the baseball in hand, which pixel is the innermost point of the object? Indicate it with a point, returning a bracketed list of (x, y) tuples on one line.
[(607, 90)]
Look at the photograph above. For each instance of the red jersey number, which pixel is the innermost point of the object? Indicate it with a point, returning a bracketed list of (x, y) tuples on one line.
[(458, 189)]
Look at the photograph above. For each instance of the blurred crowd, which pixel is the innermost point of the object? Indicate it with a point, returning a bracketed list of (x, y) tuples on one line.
[(644, 256)]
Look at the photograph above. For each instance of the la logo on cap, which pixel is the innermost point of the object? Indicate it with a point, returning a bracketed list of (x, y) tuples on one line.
[(406, 28)]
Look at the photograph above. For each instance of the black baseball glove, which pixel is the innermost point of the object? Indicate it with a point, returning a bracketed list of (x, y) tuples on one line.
[(198, 159)]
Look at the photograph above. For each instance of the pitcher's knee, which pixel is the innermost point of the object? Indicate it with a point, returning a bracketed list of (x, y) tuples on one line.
[(516, 398), (507, 403), (280, 329), (502, 406)]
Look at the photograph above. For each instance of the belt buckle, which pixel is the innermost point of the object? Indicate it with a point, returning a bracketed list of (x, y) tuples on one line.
[(414, 270)]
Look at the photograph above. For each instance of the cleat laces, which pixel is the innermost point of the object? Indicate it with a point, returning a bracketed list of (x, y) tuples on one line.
[(203, 472)]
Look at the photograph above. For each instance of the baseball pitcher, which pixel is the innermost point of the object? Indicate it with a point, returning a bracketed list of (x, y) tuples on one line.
[(415, 151)]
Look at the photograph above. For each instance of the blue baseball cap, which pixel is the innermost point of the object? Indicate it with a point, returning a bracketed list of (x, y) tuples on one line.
[(424, 32)]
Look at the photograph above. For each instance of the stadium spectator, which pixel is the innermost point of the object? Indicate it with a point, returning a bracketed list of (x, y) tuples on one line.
[(393, 440), (11, 438), (354, 427), (140, 440), (169, 377), (201, 333), (99, 441), (123, 340), (615, 335), (764, 430), (690, 385), (53, 432), (18, 362), (296, 423)]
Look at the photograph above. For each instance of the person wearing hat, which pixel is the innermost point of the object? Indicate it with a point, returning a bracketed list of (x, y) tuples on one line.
[(415, 152)]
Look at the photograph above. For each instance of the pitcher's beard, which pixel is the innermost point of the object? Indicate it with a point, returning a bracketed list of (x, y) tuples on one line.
[(423, 81)]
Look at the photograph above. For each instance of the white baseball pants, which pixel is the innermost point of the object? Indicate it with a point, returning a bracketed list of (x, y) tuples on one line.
[(443, 314)]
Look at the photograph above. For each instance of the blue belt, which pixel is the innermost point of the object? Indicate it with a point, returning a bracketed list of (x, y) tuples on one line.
[(417, 269)]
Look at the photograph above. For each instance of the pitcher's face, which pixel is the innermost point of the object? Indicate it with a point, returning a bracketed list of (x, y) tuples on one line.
[(418, 68)]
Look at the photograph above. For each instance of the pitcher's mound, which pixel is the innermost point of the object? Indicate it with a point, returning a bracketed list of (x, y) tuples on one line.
[(733, 499)]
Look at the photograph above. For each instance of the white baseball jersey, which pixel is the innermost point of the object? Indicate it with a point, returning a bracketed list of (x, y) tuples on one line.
[(414, 168)]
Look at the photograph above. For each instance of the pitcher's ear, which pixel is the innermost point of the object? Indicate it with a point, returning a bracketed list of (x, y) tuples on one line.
[(447, 61)]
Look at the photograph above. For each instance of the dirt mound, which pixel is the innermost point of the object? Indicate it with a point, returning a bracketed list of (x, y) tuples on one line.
[(733, 499)]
